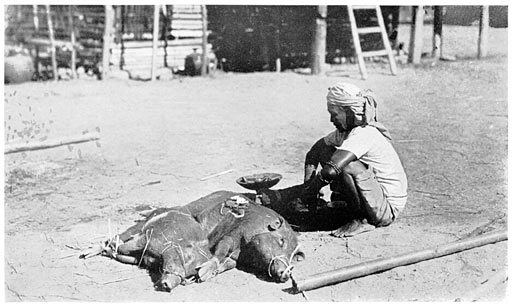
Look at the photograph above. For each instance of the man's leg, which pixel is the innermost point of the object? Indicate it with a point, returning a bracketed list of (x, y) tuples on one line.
[(365, 198), (347, 191)]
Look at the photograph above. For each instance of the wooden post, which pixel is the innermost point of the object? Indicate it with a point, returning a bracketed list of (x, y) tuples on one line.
[(277, 45), (73, 42), (437, 39), (165, 30), (319, 41), (35, 11), (204, 62), (156, 24), (383, 264), (107, 37), (52, 43), (36, 17), (483, 33), (416, 41), (123, 48)]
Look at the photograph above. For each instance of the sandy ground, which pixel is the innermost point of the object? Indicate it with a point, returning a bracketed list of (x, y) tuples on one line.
[(158, 140)]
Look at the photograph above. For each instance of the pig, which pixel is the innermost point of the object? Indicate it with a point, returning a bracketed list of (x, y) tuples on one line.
[(167, 240), (216, 233), (245, 235)]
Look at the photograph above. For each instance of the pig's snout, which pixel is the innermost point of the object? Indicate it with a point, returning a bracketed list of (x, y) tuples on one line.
[(280, 271), (170, 281)]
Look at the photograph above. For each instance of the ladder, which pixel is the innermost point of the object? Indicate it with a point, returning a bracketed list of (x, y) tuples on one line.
[(365, 30)]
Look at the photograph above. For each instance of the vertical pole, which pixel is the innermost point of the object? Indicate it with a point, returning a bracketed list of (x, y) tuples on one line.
[(73, 42), (165, 29), (156, 23), (52, 42), (36, 17), (35, 12), (277, 35), (204, 62), (278, 47), (437, 38), (107, 37), (123, 22), (483, 32), (416, 41), (319, 42)]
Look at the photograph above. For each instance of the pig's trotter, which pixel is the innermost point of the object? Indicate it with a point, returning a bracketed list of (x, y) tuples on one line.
[(208, 269)]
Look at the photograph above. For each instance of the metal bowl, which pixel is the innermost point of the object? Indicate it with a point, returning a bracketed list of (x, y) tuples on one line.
[(259, 181)]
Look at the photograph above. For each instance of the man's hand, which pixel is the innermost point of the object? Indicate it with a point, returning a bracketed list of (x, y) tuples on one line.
[(309, 172), (311, 192)]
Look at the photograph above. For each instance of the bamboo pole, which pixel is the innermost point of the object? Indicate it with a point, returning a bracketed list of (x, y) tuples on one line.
[(416, 41), (483, 32), (156, 23), (437, 38), (107, 35), (73, 42), (52, 43), (319, 42), (35, 11), (36, 17), (204, 62), (379, 265), (41, 145), (123, 45), (165, 31)]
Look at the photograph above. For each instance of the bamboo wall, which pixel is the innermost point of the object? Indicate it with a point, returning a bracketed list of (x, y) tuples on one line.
[(28, 25), (180, 32)]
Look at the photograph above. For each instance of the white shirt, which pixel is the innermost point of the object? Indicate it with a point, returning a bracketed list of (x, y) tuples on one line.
[(375, 150)]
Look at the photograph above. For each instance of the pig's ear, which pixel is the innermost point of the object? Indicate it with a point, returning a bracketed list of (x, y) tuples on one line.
[(276, 224), (299, 256)]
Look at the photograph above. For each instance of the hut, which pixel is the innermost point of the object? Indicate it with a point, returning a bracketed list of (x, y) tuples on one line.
[(243, 37), (129, 41)]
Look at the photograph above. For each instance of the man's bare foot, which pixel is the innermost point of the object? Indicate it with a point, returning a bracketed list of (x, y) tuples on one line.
[(353, 228)]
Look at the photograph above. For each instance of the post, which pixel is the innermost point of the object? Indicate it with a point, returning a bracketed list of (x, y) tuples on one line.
[(35, 11), (416, 41), (156, 23), (36, 17), (107, 37), (437, 39), (483, 32), (204, 62), (165, 29), (52, 42), (73, 42), (319, 41), (123, 48), (277, 45)]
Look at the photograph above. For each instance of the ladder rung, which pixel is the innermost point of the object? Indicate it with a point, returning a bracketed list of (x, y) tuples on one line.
[(375, 53), (367, 30), (363, 7)]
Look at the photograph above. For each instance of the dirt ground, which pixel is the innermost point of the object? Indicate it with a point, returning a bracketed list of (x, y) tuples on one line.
[(158, 140)]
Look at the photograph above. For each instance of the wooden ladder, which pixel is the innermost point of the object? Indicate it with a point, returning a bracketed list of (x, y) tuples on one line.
[(365, 30)]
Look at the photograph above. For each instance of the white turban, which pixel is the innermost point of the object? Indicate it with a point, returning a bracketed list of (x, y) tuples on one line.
[(362, 102)]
